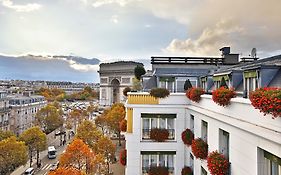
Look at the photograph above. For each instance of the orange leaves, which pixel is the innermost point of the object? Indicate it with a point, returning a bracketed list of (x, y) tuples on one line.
[(66, 171), (77, 155)]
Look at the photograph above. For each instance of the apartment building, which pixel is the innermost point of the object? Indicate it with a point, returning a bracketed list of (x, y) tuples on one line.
[(23, 110), (249, 140), (5, 112)]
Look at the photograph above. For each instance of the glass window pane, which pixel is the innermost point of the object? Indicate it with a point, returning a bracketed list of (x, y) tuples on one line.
[(145, 123), (145, 160), (153, 160), (170, 123), (161, 160), (162, 123), (170, 162), (153, 122)]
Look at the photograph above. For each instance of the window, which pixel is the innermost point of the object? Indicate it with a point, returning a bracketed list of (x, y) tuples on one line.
[(250, 80), (165, 121), (192, 162), (270, 164), (167, 82), (159, 158), (191, 122), (203, 171), (224, 143), (204, 131)]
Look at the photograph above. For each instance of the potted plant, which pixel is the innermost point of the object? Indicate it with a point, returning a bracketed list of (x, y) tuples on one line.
[(222, 96), (159, 92), (187, 85), (159, 134), (194, 94), (123, 125), (123, 157), (158, 170), (217, 163), (186, 171), (267, 100), (126, 90), (187, 136), (199, 148)]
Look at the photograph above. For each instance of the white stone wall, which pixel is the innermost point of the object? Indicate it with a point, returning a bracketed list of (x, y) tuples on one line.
[(248, 130)]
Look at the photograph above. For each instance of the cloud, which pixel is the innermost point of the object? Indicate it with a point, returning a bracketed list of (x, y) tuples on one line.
[(20, 8), (121, 3), (209, 41)]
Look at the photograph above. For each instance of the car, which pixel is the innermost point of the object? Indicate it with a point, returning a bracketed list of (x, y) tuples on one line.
[(54, 166), (29, 171)]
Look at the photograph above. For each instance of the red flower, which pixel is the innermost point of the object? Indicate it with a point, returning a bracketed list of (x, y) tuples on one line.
[(194, 94), (159, 134), (187, 136), (267, 100), (123, 157), (199, 148), (186, 171), (217, 163), (223, 95)]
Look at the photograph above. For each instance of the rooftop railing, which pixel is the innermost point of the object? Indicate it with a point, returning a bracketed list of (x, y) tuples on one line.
[(187, 60)]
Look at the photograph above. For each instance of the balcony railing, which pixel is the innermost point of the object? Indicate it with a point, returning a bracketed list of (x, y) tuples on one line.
[(186, 60), (146, 134), (143, 98)]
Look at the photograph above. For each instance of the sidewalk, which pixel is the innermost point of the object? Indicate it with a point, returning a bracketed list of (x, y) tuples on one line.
[(117, 168)]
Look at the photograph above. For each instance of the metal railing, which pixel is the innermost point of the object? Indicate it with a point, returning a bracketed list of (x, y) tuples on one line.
[(186, 60), (146, 169), (146, 134)]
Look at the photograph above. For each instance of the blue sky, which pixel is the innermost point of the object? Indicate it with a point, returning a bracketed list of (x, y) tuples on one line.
[(133, 29)]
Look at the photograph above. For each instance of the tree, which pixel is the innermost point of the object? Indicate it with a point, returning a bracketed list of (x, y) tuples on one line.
[(13, 154), (126, 90), (76, 116), (187, 85), (78, 155), (49, 118), (139, 71), (106, 148), (36, 140), (5, 134), (136, 84), (100, 121), (114, 117), (66, 171), (90, 109), (88, 132)]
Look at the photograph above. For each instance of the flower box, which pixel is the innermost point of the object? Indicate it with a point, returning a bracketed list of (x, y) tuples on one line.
[(123, 157), (222, 96), (186, 171), (267, 100), (159, 134), (217, 163), (187, 136), (158, 170), (159, 92), (199, 148), (194, 94)]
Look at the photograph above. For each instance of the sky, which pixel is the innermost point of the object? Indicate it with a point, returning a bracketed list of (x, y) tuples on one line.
[(113, 30)]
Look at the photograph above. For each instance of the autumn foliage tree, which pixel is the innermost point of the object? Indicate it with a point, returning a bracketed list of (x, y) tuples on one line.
[(66, 171), (36, 140), (13, 154), (5, 134), (115, 115), (49, 118), (89, 133), (78, 155), (101, 122)]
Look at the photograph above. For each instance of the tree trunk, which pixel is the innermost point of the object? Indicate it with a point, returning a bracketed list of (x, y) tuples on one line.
[(30, 160), (38, 154), (119, 138), (107, 167)]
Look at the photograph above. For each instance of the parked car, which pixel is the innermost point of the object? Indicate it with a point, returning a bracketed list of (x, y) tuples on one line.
[(29, 171)]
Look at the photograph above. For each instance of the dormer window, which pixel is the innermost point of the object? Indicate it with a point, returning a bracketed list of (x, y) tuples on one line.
[(218, 78), (250, 81), (167, 82)]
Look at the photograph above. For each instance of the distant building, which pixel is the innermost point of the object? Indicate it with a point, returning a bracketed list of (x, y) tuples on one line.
[(114, 77), (5, 112), (23, 110)]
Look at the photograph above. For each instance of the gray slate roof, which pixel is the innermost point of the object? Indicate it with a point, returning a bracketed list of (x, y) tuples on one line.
[(180, 72)]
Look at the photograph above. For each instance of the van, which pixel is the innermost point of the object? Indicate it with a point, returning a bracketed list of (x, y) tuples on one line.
[(29, 171)]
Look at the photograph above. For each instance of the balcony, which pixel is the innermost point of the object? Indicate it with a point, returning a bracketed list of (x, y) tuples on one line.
[(146, 134), (146, 169), (145, 98)]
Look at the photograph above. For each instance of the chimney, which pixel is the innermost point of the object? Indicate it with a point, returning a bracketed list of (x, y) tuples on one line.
[(229, 58)]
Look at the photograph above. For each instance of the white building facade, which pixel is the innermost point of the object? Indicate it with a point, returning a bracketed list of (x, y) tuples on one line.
[(249, 140)]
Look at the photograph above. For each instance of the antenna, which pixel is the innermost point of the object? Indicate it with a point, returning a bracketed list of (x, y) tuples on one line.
[(254, 53)]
